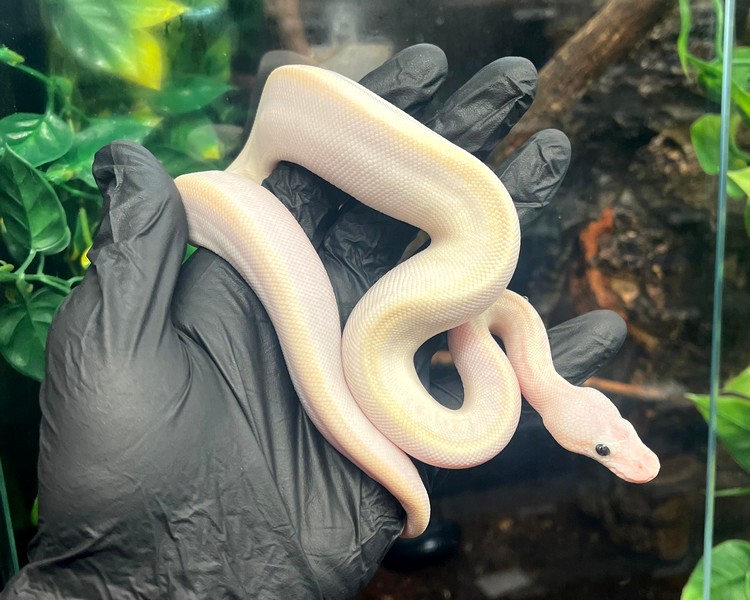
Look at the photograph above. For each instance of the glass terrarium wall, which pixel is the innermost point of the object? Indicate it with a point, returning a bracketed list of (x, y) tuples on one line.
[(728, 406), (634, 84)]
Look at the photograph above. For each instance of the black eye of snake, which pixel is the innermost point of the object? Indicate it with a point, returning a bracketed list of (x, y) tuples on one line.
[(602, 450)]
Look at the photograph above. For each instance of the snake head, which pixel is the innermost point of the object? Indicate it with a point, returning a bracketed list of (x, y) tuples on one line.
[(594, 427), (622, 452)]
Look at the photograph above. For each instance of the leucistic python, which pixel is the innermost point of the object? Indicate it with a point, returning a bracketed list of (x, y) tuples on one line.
[(360, 388)]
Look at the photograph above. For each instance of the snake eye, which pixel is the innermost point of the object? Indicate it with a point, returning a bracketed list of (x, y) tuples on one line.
[(602, 450)]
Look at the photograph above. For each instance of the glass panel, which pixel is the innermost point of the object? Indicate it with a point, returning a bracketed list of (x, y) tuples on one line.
[(635, 87), (727, 552)]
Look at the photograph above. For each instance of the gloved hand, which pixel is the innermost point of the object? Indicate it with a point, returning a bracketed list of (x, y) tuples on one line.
[(176, 460)]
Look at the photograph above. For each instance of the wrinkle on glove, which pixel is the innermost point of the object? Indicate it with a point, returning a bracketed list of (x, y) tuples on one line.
[(175, 458), (484, 109), (545, 158)]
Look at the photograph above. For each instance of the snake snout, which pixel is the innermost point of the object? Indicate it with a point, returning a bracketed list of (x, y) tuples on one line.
[(641, 468)]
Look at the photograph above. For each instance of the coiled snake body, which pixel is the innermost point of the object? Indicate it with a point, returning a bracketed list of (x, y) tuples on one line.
[(361, 389)]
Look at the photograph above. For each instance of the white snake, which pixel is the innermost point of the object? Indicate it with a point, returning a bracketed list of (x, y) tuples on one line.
[(361, 390)]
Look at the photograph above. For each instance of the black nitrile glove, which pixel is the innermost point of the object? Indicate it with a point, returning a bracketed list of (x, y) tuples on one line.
[(176, 460)]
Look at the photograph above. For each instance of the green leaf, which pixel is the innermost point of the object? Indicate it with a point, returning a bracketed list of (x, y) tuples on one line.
[(718, 27), (709, 77), (77, 162), (177, 162), (63, 85), (741, 66), (732, 492), (216, 60), (188, 94), (730, 566), (732, 424), (206, 6), (9, 57), (709, 72), (734, 190), (705, 134), (682, 40), (94, 32), (37, 138), (747, 217), (149, 59), (81, 240), (97, 34), (192, 134), (23, 331), (31, 212), (741, 177), (140, 14), (16, 250), (740, 384), (732, 416)]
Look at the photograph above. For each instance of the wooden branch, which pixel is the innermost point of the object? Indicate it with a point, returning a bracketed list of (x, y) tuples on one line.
[(665, 393), (605, 39)]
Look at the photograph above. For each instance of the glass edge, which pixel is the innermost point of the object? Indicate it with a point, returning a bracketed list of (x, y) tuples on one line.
[(716, 325)]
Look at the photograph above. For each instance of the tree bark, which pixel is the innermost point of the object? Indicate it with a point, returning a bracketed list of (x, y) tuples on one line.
[(606, 38)]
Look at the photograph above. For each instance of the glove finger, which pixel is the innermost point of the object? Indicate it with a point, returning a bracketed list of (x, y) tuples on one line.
[(534, 173), (408, 80), (486, 107), (584, 344), (365, 244), (136, 255)]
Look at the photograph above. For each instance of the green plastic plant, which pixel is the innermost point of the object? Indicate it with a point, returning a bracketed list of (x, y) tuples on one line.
[(704, 132), (152, 71), (730, 571)]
